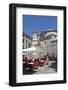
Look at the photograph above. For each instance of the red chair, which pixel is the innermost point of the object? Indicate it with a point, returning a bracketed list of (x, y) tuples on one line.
[(42, 61)]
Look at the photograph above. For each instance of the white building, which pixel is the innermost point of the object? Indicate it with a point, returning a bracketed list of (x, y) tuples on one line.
[(27, 41), (46, 40)]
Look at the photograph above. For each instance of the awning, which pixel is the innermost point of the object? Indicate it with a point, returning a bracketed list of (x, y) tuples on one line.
[(29, 49)]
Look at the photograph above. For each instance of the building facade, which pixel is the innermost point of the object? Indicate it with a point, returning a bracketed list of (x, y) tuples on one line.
[(47, 41), (27, 41)]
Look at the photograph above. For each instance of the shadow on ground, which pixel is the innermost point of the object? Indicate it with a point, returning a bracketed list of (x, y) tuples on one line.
[(29, 71), (54, 65)]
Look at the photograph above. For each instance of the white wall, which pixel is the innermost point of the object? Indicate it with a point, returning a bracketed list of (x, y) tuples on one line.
[(4, 47)]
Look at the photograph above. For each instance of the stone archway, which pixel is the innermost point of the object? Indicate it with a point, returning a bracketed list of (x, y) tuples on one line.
[(51, 38), (54, 33)]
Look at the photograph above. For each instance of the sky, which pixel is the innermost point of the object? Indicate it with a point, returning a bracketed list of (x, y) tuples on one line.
[(33, 23)]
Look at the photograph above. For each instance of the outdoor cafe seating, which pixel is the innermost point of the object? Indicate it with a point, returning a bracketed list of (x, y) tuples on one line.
[(33, 63)]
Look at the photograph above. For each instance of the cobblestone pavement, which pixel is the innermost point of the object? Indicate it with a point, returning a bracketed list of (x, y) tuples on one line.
[(46, 69)]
